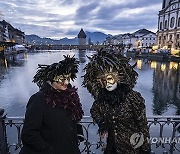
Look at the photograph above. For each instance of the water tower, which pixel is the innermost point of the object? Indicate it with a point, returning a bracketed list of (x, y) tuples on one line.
[(82, 40)]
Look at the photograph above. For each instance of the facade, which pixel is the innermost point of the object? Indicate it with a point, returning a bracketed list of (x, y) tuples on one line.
[(82, 39), (147, 40), (10, 34), (168, 33), (142, 38), (115, 40), (1, 32), (129, 40)]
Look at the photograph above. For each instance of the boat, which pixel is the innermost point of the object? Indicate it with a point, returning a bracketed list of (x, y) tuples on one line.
[(18, 48)]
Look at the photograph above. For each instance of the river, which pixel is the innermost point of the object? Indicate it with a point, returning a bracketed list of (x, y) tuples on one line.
[(158, 82)]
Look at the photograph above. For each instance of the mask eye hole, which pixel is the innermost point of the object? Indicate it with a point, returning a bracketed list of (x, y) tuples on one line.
[(109, 78), (59, 79)]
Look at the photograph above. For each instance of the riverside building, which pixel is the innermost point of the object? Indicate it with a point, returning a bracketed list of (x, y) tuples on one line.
[(168, 34)]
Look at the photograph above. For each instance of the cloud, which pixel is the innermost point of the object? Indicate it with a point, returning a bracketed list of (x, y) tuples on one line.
[(64, 18)]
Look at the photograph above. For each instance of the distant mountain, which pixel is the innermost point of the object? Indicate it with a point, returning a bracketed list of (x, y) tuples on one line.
[(34, 39), (142, 31), (94, 36)]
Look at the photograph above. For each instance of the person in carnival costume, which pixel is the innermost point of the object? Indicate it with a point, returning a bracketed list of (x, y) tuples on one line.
[(118, 110), (53, 113)]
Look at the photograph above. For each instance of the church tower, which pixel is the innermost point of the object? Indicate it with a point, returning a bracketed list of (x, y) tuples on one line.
[(82, 40), (168, 34)]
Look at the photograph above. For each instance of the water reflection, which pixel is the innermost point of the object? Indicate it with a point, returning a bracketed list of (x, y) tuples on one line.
[(166, 88), (13, 60), (82, 56), (158, 82)]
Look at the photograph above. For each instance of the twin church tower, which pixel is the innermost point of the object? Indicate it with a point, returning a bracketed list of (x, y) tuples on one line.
[(168, 34)]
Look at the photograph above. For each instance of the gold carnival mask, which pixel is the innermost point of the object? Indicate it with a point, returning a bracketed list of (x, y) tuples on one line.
[(108, 80), (64, 79)]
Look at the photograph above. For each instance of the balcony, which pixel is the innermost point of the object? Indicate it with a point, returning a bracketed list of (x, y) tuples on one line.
[(160, 127)]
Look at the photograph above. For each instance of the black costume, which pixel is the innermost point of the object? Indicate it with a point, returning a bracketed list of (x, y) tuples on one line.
[(51, 121), (118, 109)]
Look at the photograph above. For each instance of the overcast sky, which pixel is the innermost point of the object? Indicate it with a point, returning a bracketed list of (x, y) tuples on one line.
[(64, 18)]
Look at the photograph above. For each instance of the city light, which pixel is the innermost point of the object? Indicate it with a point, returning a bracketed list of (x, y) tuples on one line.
[(5, 63), (163, 67), (153, 64), (173, 65), (139, 64), (174, 51)]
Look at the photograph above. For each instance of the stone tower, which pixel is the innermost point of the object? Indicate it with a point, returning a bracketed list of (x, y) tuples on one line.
[(82, 40)]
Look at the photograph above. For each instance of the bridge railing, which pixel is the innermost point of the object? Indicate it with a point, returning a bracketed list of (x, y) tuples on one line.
[(161, 127)]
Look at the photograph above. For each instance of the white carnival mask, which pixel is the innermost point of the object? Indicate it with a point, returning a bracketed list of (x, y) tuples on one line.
[(111, 83), (108, 80)]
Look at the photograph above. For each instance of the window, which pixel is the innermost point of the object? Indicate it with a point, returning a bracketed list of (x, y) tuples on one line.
[(177, 36), (165, 24), (159, 39), (163, 4), (172, 22), (150, 38), (179, 22), (160, 26), (154, 38), (170, 37)]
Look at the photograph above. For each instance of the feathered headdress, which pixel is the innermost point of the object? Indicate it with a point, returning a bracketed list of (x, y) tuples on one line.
[(105, 62), (47, 72)]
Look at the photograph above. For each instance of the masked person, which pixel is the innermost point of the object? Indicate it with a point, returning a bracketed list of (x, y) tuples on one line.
[(52, 114), (118, 110)]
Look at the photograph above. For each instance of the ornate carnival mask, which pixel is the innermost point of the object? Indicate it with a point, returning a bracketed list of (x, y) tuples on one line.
[(109, 81), (64, 79)]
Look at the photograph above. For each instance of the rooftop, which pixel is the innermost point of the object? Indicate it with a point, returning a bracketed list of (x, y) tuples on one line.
[(81, 34)]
